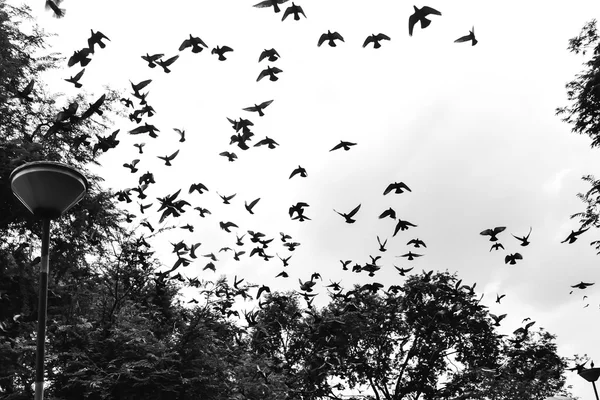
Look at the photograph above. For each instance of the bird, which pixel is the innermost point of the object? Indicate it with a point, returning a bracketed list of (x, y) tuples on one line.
[(194, 42), (26, 92), (250, 206), (220, 51), (573, 235), (167, 63), (402, 226), (342, 144), (230, 156), (410, 255), (293, 9), (582, 285), (331, 37), (269, 71), (151, 129), (96, 38), (388, 213), (283, 274), (140, 146), (403, 271), (284, 237), (525, 239), (270, 143), (375, 39), (239, 240), (261, 290), (210, 266), (53, 5), (498, 298), (345, 264), (79, 56), (270, 54), (382, 245), (512, 258), (297, 171), (416, 243), (132, 165), (168, 159), (75, 79), (227, 198), (493, 232), (188, 227), (291, 245), (199, 187), (497, 319), (94, 108), (202, 211), (307, 286), (181, 133), (152, 59), (259, 107), (349, 216), (420, 16), (397, 187), (227, 225), (497, 246), (270, 3), (466, 38), (237, 254)]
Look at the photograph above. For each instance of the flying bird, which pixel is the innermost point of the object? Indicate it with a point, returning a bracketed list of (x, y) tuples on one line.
[(168, 159), (397, 187), (498, 298), (75, 79), (388, 213), (349, 216), (271, 72), (420, 16), (96, 38), (221, 52), (80, 56), (194, 42), (582, 285), (466, 38), (152, 59), (573, 235), (26, 92), (381, 245), (227, 225), (416, 242), (402, 226), (227, 198), (403, 271), (375, 39), (410, 255), (271, 55), (497, 246), (271, 3), (230, 156), (297, 171), (331, 37), (342, 144), (132, 166), (497, 319), (293, 9), (150, 129), (250, 206), (139, 146), (181, 133), (259, 108), (270, 143), (493, 232), (199, 187), (525, 239), (53, 5), (167, 63), (512, 258)]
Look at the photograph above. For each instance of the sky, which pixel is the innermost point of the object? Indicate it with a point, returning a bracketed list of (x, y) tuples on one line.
[(470, 129)]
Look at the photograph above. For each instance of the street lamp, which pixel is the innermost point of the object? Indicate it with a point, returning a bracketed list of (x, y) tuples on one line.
[(591, 375), (48, 189)]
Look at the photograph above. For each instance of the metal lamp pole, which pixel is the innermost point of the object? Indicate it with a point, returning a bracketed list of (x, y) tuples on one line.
[(591, 375), (48, 190)]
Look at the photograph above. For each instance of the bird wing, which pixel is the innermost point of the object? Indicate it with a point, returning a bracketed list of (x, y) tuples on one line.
[(253, 203), (322, 39), (172, 156), (412, 20), (428, 10), (388, 189), (337, 146), (368, 40), (353, 212), (253, 108), (225, 49), (287, 12), (170, 60), (382, 36), (498, 229), (336, 35), (184, 45), (265, 104), (461, 39), (262, 74), (79, 75)]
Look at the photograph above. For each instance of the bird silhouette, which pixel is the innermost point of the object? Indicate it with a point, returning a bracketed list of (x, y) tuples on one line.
[(259, 107), (397, 187), (152, 59), (402, 226), (466, 38), (132, 165), (420, 16), (331, 37), (220, 51), (284, 260), (227, 225), (297, 171), (75, 79), (525, 239), (410, 255), (573, 235), (250, 206), (271, 72), (493, 232), (497, 319), (291, 245), (181, 133), (345, 264), (261, 290), (282, 274), (80, 56), (499, 297), (416, 243), (497, 246), (25, 94), (512, 258), (202, 211), (230, 156), (388, 213), (342, 144), (239, 240), (293, 9), (270, 54), (348, 217), (168, 159), (267, 141), (307, 286), (375, 39), (194, 42), (96, 38), (140, 146), (56, 11), (227, 198), (271, 3), (582, 285), (381, 245), (199, 187), (94, 108), (167, 63)]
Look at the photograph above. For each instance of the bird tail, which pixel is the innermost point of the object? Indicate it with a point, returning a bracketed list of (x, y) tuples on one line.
[(425, 23), (376, 45), (274, 78)]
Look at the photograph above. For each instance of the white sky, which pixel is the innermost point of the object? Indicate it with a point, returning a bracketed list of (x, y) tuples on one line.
[(471, 130)]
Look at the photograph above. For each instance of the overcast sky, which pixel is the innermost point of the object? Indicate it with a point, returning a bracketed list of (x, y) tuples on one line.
[(470, 129)]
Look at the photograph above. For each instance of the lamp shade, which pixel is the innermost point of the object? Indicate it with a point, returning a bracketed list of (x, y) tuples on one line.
[(590, 374), (48, 189)]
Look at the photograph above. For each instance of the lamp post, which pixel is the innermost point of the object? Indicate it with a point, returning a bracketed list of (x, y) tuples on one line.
[(48, 189), (591, 375)]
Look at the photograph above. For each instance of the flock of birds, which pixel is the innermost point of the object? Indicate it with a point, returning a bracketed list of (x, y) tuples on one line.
[(251, 243)]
